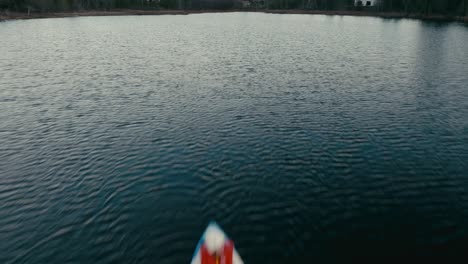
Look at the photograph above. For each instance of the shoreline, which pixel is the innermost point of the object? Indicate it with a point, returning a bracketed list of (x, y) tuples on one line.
[(5, 16)]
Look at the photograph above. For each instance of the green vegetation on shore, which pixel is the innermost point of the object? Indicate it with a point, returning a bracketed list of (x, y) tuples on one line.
[(436, 9)]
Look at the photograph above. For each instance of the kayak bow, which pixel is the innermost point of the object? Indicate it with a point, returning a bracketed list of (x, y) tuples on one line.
[(215, 247)]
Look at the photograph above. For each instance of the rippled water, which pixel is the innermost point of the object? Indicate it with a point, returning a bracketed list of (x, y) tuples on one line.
[(308, 138)]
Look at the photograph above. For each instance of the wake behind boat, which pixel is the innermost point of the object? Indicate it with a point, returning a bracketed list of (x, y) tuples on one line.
[(215, 247)]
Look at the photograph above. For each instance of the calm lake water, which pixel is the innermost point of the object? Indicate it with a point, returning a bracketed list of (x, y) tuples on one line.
[(308, 138)]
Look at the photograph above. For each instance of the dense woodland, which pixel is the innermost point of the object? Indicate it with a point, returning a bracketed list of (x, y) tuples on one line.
[(423, 7)]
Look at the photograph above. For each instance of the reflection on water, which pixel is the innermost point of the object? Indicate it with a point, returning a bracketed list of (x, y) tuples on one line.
[(306, 137)]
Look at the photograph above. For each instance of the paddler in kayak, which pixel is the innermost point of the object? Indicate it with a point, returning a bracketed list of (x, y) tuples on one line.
[(216, 248)]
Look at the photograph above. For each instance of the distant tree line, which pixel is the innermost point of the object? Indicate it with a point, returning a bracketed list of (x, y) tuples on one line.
[(66, 5), (424, 7)]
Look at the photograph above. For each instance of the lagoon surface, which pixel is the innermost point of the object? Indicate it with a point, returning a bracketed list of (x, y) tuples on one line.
[(309, 138)]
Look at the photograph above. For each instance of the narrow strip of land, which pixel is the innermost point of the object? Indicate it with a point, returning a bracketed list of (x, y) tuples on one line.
[(126, 12)]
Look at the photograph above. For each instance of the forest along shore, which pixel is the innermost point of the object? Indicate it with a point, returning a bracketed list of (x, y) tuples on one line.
[(4, 15), (117, 12)]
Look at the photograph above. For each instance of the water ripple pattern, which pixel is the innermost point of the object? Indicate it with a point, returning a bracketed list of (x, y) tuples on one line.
[(309, 138)]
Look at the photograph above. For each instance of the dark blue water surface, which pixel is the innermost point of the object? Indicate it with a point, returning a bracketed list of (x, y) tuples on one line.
[(310, 139)]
